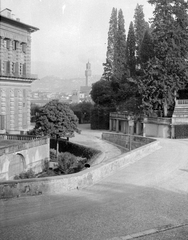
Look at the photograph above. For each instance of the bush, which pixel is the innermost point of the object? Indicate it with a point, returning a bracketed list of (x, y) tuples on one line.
[(24, 175), (66, 162), (53, 157)]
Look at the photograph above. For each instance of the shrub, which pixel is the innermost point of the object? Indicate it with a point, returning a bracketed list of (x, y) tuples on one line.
[(53, 156), (67, 162), (24, 175)]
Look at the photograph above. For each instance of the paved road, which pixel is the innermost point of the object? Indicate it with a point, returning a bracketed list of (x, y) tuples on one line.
[(149, 194)]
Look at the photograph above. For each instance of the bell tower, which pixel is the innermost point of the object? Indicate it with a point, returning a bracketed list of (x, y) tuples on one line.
[(88, 72)]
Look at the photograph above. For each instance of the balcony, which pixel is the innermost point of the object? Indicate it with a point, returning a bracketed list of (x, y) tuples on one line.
[(23, 78)]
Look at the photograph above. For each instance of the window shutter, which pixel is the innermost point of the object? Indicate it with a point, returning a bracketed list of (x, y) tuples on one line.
[(17, 69), (24, 69), (17, 44), (8, 67), (2, 122), (8, 43), (1, 70)]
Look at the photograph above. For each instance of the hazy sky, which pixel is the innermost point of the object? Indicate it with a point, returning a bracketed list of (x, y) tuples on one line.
[(71, 32)]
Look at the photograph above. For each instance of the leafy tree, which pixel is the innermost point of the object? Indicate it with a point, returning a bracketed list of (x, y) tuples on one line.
[(101, 93), (130, 50), (112, 34), (167, 71), (82, 111), (147, 48), (140, 26), (34, 111), (120, 68), (56, 120)]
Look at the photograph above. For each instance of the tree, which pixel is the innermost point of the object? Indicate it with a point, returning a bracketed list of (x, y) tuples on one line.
[(56, 120), (140, 26), (101, 93), (167, 71), (112, 34), (130, 50), (120, 68), (147, 49)]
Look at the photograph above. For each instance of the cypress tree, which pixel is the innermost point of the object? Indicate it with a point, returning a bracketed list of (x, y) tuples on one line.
[(112, 35), (147, 49), (120, 49), (130, 50), (140, 26), (167, 71)]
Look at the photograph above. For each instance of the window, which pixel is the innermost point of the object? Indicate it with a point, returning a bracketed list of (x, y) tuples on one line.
[(2, 122), (24, 47), (14, 45), (7, 43)]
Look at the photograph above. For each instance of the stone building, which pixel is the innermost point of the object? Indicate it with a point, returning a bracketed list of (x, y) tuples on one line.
[(15, 73)]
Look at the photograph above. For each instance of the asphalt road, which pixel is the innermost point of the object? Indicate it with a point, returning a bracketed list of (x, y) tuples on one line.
[(149, 194)]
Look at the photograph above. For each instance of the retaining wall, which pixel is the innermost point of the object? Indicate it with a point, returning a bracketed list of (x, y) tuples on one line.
[(22, 156), (61, 184)]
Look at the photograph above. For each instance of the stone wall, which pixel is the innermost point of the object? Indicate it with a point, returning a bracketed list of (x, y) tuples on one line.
[(22, 156), (61, 184), (126, 141)]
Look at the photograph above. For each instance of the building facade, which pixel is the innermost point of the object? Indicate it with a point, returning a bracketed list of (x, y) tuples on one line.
[(15, 73)]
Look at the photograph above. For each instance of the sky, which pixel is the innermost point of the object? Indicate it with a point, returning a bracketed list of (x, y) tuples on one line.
[(71, 32)]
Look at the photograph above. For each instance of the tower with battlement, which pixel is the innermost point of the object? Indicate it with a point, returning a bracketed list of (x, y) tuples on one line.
[(88, 72)]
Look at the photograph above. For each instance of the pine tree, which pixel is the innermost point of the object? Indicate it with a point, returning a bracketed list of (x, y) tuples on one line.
[(120, 49), (167, 72), (112, 35), (130, 50), (140, 26)]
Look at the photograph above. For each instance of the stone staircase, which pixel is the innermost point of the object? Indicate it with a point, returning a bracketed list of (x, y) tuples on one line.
[(180, 114)]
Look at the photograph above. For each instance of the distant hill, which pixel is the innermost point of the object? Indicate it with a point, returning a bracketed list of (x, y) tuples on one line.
[(56, 84)]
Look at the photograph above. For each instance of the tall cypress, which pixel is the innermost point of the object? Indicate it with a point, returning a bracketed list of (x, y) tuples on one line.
[(130, 50), (112, 36), (120, 49), (140, 26)]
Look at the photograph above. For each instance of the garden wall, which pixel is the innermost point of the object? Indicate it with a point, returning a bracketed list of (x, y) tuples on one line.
[(126, 141), (61, 184), (22, 156)]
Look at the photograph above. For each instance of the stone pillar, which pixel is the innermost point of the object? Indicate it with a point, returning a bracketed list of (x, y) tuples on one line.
[(110, 124), (117, 125), (144, 129)]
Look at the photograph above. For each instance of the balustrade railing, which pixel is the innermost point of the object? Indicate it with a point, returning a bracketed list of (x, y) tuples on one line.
[(182, 101)]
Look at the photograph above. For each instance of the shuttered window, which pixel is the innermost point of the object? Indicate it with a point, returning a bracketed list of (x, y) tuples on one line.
[(2, 122)]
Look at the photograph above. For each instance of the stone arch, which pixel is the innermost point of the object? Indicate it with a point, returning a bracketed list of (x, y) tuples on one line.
[(16, 165)]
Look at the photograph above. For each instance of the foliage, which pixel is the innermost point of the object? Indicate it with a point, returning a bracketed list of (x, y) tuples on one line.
[(53, 156), (120, 67), (82, 111), (112, 35), (100, 117), (166, 72), (34, 111), (147, 48), (130, 50), (101, 93), (140, 26), (56, 120), (24, 175)]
